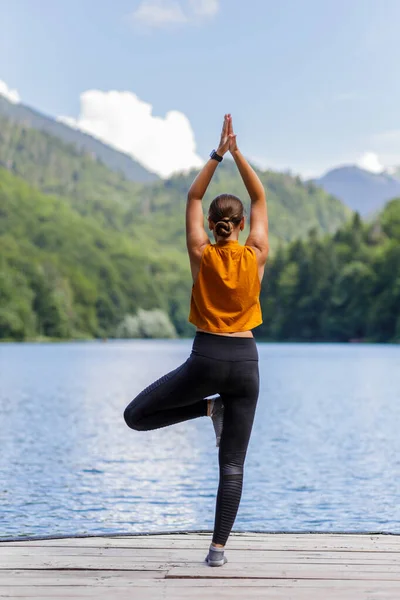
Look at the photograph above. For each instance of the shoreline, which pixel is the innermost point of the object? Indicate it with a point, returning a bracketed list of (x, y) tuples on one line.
[(43, 340)]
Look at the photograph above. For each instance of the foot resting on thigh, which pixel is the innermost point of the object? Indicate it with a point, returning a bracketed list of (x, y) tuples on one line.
[(216, 412), (216, 557)]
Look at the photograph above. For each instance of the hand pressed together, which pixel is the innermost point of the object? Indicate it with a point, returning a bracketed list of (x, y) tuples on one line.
[(228, 138)]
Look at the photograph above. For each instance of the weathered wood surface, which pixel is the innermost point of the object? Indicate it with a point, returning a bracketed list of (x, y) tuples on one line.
[(171, 567)]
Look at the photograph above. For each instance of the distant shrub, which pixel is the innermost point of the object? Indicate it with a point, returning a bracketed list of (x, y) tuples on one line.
[(128, 328), (146, 324)]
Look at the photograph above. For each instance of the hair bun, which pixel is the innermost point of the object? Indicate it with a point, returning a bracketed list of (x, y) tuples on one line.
[(226, 211), (224, 227)]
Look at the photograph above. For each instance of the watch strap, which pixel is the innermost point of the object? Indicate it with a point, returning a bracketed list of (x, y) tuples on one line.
[(216, 156)]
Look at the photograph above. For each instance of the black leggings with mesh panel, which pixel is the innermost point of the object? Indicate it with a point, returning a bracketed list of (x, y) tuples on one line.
[(217, 365)]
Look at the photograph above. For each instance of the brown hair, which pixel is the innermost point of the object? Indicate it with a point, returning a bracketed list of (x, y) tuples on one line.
[(226, 210)]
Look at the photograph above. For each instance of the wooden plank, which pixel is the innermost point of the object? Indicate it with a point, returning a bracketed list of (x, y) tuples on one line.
[(80, 562), (234, 536), (277, 569), (299, 571), (340, 539), (199, 568), (286, 542), (268, 566), (195, 555), (269, 594), (259, 536), (80, 578), (56, 593), (277, 594), (113, 579)]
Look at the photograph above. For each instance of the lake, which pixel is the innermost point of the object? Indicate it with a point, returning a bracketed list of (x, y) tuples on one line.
[(324, 453)]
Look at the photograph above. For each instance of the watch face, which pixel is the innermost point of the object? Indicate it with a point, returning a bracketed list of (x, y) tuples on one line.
[(216, 156)]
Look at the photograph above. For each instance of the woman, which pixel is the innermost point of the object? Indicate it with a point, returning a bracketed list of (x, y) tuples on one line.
[(220, 379)]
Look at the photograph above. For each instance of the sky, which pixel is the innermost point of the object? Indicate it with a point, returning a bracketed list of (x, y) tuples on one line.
[(310, 84)]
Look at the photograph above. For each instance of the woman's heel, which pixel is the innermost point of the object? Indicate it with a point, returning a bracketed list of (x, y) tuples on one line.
[(216, 557)]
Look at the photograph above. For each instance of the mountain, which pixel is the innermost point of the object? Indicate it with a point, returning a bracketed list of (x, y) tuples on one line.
[(54, 167), (67, 273), (114, 159), (82, 247), (63, 274), (294, 207), (361, 190), (155, 211)]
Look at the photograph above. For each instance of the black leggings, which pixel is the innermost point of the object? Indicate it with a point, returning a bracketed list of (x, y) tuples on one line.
[(217, 365)]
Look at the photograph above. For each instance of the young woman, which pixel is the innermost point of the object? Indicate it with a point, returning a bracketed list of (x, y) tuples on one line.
[(220, 378)]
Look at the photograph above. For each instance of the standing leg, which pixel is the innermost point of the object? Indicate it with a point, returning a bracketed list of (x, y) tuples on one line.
[(240, 405), (177, 396)]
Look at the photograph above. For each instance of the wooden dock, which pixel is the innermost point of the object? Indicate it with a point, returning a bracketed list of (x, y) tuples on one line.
[(171, 567)]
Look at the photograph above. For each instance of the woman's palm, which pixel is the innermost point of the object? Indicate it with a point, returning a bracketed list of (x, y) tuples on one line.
[(228, 138)]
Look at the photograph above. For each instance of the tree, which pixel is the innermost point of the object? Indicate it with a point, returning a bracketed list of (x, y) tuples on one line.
[(146, 324)]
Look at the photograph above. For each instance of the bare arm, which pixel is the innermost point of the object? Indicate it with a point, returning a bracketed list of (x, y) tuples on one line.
[(258, 236), (196, 236)]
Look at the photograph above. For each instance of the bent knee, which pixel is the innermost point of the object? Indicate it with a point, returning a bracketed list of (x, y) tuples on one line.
[(131, 417)]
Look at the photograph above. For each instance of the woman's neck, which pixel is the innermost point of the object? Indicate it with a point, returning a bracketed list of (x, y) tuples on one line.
[(221, 240)]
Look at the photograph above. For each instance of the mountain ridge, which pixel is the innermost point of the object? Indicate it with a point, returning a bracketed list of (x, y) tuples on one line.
[(156, 209), (113, 158), (361, 190)]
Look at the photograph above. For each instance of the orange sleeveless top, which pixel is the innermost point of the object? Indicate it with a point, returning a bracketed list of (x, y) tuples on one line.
[(225, 295)]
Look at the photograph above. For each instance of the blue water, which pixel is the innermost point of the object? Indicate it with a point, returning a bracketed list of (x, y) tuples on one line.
[(324, 453)]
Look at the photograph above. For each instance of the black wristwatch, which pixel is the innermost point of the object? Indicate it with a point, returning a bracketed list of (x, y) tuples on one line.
[(216, 156)]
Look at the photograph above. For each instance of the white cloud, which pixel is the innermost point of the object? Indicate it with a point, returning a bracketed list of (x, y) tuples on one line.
[(387, 145), (205, 8), (70, 121), (162, 144), (370, 162), (394, 169), (158, 13), (11, 95), (164, 13)]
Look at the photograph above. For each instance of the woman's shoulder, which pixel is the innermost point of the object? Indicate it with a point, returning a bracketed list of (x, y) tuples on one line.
[(250, 250)]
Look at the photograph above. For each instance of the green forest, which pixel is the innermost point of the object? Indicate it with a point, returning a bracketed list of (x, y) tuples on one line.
[(86, 253), (341, 287)]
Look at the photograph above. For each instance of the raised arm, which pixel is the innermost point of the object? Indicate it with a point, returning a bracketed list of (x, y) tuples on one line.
[(258, 236), (196, 236)]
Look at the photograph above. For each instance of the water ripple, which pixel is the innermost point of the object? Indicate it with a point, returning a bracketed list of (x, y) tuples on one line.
[(324, 453)]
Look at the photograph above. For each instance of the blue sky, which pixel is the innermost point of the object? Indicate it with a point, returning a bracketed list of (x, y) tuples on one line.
[(310, 83)]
